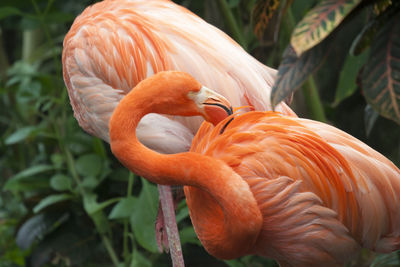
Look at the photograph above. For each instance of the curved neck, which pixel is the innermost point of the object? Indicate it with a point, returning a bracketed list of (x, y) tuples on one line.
[(233, 220)]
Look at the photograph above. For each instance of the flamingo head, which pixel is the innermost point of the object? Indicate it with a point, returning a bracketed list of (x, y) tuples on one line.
[(178, 93), (212, 106)]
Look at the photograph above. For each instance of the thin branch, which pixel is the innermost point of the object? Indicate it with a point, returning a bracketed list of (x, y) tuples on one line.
[(168, 209)]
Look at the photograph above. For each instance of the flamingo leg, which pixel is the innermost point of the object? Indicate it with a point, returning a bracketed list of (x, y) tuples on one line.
[(168, 210)]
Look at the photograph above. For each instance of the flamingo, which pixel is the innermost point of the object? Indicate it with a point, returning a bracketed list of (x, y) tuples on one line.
[(302, 192), (113, 45)]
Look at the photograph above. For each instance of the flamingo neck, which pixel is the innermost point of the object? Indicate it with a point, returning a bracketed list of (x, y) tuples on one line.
[(229, 224)]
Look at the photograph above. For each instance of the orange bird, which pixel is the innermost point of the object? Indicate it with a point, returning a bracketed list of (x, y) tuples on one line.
[(113, 45), (296, 190)]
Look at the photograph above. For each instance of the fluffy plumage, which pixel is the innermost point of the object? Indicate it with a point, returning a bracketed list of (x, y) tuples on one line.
[(323, 194), (299, 191), (115, 44)]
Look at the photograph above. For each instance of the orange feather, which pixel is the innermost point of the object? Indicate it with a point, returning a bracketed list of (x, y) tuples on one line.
[(299, 191), (115, 44)]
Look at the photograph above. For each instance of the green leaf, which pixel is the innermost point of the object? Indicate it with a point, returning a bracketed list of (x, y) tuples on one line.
[(381, 74), (89, 165), (144, 217), (363, 39), (138, 260), (21, 134), (380, 6), (182, 214), (386, 260), (188, 235), (348, 76), (294, 71), (123, 209), (262, 14), (94, 210), (385, 10), (91, 206), (9, 11), (37, 227), (370, 117), (27, 173), (233, 3), (319, 23), (60, 182), (58, 17), (90, 182), (50, 200)]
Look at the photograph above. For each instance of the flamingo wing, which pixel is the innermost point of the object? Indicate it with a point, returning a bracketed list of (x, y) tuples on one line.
[(323, 193), (113, 45)]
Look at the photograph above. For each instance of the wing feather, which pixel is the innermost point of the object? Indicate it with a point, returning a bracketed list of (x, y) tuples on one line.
[(119, 43), (359, 185)]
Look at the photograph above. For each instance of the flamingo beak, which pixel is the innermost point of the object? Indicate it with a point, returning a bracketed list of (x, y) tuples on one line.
[(214, 106)]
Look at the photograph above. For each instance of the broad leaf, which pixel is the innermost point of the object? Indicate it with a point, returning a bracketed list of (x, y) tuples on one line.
[(386, 260), (94, 210), (21, 134), (263, 12), (50, 200), (90, 182), (75, 242), (383, 10), (21, 177), (188, 235), (381, 75), (233, 3), (370, 117), (89, 165), (182, 214), (60, 182), (138, 260), (294, 71), (9, 11), (91, 206), (380, 6), (37, 227), (319, 23), (348, 76), (124, 208), (363, 39), (144, 217)]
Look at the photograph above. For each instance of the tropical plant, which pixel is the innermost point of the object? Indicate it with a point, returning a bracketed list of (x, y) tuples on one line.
[(65, 200)]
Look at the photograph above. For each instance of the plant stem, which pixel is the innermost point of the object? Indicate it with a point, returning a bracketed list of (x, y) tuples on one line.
[(168, 210), (313, 101), (47, 32), (110, 250), (4, 64), (232, 24), (30, 42), (126, 223)]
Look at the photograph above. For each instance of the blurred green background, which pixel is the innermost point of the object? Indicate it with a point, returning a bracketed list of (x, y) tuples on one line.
[(46, 221)]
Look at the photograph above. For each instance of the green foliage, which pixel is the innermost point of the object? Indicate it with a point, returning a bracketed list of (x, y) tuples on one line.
[(381, 75), (65, 200), (319, 22), (142, 219), (321, 28), (294, 70)]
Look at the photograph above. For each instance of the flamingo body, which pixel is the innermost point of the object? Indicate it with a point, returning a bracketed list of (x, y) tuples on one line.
[(323, 194), (115, 44), (299, 191)]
